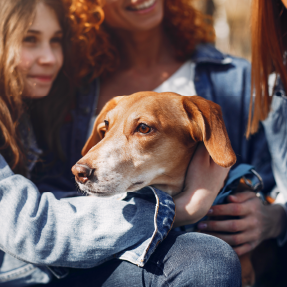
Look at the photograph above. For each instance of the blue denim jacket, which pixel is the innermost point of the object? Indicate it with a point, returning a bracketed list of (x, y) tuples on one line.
[(276, 132), (226, 80)]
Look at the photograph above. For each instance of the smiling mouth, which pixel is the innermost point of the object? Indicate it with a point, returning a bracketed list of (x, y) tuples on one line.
[(42, 78), (142, 6)]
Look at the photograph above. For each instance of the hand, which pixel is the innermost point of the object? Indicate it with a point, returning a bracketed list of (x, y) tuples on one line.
[(257, 222), (204, 179)]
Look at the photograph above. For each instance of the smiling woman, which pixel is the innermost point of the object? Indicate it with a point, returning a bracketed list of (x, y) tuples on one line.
[(41, 55), (31, 61)]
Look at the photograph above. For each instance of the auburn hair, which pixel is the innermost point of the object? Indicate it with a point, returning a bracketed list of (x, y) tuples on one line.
[(16, 17), (269, 43), (185, 26)]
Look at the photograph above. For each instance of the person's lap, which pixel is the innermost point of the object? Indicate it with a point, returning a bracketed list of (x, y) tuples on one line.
[(189, 259)]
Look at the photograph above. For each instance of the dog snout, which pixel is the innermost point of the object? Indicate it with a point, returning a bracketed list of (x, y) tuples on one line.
[(82, 172)]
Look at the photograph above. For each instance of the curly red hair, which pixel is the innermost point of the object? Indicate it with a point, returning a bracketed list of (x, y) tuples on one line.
[(97, 53)]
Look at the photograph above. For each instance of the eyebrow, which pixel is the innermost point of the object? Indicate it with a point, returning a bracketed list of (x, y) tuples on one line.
[(38, 32)]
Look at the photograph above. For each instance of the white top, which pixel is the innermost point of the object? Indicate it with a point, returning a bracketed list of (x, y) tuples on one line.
[(181, 82)]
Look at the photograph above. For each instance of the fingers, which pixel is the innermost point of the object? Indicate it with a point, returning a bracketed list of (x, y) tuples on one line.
[(200, 157), (241, 196), (201, 160), (224, 225), (230, 209), (244, 248), (241, 204)]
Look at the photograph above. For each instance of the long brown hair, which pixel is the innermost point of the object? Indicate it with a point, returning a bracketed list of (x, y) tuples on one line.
[(269, 42), (16, 17), (185, 26)]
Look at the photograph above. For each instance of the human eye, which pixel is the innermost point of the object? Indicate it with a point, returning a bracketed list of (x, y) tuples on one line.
[(30, 39), (57, 40)]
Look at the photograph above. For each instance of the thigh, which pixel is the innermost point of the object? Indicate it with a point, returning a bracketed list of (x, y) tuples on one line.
[(182, 259), (193, 259)]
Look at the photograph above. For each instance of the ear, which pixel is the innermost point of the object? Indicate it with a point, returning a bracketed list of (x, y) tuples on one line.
[(99, 127), (207, 125)]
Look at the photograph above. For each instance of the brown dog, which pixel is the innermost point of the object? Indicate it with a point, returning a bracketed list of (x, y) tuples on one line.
[(148, 138)]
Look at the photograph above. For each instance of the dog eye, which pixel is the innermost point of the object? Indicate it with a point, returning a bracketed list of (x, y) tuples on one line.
[(106, 124), (143, 128), (102, 134)]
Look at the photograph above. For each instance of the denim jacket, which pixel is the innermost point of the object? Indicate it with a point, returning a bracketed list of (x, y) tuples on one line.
[(276, 132), (225, 80)]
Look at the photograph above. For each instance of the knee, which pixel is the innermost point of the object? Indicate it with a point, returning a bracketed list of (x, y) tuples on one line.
[(207, 260)]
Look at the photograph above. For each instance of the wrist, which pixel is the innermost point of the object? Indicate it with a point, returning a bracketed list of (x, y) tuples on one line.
[(182, 216), (192, 206)]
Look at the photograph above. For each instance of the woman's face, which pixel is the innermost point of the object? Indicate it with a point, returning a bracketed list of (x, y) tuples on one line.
[(284, 3), (41, 55), (134, 15)]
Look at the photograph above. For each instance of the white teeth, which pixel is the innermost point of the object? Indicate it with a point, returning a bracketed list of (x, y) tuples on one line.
[(144, 5)]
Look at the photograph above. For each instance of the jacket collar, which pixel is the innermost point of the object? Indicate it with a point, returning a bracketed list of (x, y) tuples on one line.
[(207, 53)]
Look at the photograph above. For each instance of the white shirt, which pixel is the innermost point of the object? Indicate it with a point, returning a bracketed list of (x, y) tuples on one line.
[(181, 82)]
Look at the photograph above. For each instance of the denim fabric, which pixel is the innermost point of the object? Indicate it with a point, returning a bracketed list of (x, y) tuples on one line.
[(276, 132), (225, 80), (74, 232), (163, 220), (181, 260)]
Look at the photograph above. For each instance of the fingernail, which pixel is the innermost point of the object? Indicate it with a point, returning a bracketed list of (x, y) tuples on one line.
[(202, 225), (210, 211)]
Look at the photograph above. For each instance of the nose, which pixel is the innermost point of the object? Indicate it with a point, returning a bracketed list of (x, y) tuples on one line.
[(47, 56), (82, 172)]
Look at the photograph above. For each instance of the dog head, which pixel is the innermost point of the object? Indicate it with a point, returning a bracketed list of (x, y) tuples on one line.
[(148, 138)]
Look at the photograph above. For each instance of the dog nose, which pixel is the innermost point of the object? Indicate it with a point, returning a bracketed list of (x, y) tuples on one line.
[(82, 172)]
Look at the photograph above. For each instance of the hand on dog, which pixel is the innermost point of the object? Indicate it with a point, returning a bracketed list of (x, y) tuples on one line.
[(203, 181), (257, 222)]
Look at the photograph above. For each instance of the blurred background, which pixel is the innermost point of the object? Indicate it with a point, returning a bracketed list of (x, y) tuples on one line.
[(231, 23)]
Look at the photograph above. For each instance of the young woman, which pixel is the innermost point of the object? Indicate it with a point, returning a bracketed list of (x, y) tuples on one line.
[(164, 45), (40, 234)]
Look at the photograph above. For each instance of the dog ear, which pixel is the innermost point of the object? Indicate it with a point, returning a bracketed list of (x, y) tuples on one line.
[(207, 125), (99, 127)]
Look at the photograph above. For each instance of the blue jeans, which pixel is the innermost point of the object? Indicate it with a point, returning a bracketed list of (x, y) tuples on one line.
[(190, 259)]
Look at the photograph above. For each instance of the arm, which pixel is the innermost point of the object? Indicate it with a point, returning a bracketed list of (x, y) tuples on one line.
[(203, 181), (73, 232)]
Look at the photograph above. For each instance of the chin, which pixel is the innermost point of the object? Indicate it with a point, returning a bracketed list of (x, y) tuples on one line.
[(37, 93), (147, 22)]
